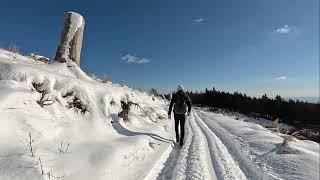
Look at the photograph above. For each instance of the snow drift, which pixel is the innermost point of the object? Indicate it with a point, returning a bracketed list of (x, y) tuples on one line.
[(58, 122)]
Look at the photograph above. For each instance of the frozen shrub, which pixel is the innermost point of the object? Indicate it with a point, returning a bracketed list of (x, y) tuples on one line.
[(77, 103), (39, 58), (125, 110)]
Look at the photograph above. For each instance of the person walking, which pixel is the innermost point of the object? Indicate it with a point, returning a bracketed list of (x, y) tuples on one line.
[(179, 101)]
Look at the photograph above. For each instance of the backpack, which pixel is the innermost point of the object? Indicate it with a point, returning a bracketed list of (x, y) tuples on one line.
[(180, 106)]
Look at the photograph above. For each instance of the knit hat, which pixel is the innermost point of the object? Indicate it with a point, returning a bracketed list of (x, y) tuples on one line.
[(180, 87)]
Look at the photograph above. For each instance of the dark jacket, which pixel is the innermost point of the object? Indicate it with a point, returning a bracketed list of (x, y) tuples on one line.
[(180, 101)]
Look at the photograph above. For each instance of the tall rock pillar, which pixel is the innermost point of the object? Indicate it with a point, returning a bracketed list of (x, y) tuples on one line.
[(69, 47)]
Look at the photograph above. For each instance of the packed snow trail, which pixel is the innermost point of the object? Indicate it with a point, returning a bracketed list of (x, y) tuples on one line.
[(220, 147), (205, 156)]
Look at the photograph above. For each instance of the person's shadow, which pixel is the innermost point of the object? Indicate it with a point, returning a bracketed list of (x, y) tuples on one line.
[(124, 131)]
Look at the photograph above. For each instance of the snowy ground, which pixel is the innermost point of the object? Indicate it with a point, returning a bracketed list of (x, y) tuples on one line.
[(221, 147), (97, 144), (71, 144)]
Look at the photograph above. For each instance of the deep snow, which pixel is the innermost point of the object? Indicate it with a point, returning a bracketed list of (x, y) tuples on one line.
[(96, 144), (101, 145)]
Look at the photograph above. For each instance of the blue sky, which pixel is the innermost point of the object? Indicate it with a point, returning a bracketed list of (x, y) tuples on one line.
[(251, 46)]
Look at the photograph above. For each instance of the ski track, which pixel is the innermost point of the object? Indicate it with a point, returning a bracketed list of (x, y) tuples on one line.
[(250, 169), (208, 154)]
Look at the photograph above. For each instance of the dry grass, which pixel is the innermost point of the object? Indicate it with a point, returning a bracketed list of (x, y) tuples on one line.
[(286, 141), (10, 47)]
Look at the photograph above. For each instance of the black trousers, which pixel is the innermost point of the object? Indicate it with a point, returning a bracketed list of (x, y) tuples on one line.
[(179, 118)]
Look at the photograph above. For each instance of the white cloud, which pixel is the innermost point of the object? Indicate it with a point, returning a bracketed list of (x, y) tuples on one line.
[(281, 78), (284, 29), (199, 20), (129, 58)]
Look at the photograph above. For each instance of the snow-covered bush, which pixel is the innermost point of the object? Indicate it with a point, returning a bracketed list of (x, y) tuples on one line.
[(39, 58), (99, 78), (286, 141)]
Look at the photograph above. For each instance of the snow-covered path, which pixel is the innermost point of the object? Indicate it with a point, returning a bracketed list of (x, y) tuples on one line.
[(203, 156), (214, 151)]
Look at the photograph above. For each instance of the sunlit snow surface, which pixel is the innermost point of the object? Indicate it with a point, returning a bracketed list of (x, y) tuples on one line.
[(97, 144), (97, 147)]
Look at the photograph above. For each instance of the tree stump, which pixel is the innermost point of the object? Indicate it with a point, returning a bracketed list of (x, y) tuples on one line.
[(69, 47)]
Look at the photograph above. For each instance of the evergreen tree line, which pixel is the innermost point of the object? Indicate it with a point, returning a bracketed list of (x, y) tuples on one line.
[(296, 113)]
